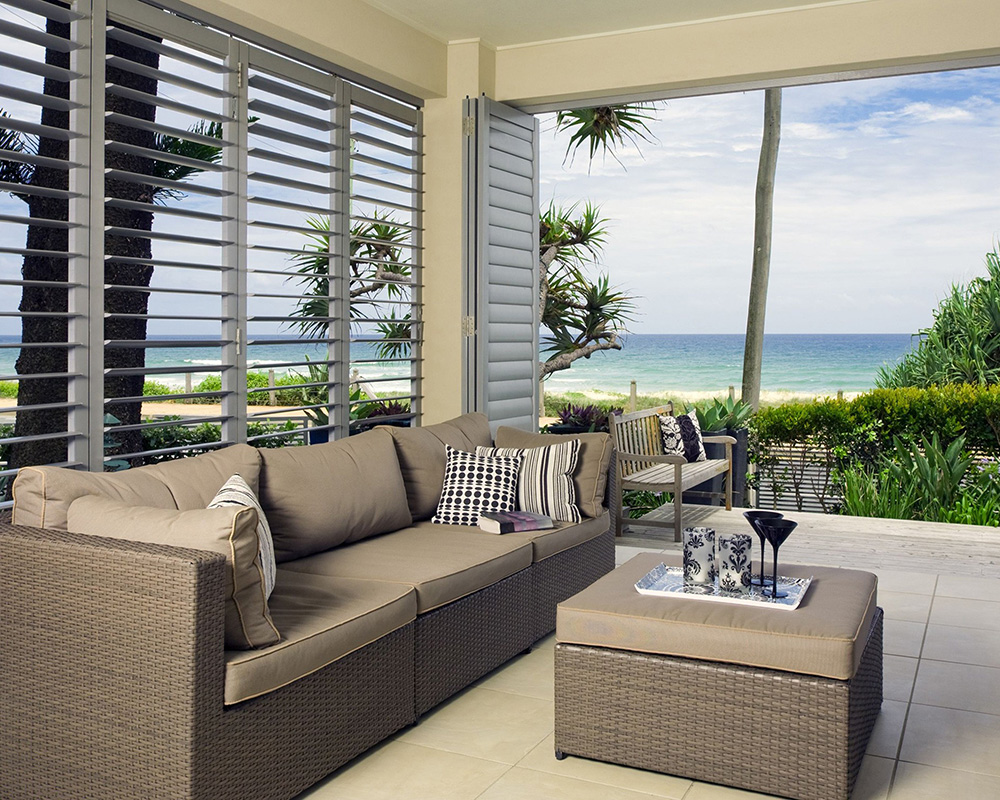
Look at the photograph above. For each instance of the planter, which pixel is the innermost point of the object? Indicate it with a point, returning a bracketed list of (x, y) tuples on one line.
[(717, 484), (560, 427)]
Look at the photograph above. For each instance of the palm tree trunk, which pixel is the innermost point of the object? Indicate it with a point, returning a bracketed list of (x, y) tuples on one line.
[(754, 349)]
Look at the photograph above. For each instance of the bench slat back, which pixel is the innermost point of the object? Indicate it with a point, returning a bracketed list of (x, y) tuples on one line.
[(638, 432)]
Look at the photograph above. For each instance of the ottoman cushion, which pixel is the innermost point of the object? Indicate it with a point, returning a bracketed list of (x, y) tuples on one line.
[(824, 636)]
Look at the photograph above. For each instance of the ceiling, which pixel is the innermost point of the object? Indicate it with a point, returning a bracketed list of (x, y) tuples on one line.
[(506, 23)]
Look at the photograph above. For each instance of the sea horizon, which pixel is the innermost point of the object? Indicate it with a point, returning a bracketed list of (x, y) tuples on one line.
[(806, 364)]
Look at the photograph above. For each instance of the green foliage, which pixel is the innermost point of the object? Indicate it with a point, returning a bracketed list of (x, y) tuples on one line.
[(591, 416), (719, 415), (640, 503), (8, 389), (871, 493), (207, 432), (157, 389), (963, 343), (606, 128)]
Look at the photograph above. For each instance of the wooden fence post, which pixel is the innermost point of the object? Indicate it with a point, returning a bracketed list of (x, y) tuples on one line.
[(272, 396), (632, 398)]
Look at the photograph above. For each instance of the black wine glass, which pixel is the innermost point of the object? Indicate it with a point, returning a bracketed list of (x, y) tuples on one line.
[(776, 531), (753, 517)]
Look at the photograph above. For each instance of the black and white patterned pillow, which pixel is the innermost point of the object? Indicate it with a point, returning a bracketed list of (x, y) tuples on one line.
[(474, 484), (545, 482), (237, 492), (682, 436)]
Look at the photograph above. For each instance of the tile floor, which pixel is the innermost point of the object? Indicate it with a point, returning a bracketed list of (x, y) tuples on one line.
[(938, 735)]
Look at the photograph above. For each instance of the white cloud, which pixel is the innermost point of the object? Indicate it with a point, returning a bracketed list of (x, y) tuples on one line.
[(885, 195)]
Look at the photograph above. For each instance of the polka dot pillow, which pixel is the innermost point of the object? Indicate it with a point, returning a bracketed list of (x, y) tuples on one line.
[(474, 484)]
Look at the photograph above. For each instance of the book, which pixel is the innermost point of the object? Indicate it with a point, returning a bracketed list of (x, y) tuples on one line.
[(511, 521)]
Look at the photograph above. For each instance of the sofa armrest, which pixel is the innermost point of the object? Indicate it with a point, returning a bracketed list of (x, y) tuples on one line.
[(111, 664)]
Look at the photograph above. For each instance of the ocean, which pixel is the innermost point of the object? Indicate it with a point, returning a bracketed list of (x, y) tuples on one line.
[(794, 363)]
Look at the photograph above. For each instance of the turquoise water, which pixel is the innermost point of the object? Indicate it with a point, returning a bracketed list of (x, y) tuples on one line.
[(803, 363)]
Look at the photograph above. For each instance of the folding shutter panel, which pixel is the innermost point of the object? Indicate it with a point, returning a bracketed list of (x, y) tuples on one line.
[(505, 275)]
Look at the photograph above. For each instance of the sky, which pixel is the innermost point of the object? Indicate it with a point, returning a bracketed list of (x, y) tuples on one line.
[(886, 193)]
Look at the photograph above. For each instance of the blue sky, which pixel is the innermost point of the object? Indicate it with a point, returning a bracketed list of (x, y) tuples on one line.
[(886, 193)]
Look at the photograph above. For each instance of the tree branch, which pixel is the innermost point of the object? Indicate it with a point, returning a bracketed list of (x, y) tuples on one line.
[(565, 360)]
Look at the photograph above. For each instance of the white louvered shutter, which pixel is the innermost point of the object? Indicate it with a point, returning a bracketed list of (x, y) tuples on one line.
[(505, 274)]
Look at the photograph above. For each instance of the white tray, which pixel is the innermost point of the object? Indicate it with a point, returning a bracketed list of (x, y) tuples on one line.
[(664, 581)]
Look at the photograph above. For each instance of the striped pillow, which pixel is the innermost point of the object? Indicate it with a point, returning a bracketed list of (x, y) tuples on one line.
[(545, 482), (237, 492)]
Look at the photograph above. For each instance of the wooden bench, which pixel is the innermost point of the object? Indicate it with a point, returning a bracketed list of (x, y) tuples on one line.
[(640, 464)]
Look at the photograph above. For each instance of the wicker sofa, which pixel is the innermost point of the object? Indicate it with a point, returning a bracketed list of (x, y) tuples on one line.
[(114, 676)]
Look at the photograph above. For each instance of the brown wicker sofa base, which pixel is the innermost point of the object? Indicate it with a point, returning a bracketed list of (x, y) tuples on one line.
[(768, 731), (561, 576)]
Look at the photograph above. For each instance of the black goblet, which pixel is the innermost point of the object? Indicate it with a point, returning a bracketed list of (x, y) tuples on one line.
[(753, 517), (776, 531)]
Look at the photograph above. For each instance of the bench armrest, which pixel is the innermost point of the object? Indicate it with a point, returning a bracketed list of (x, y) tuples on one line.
[(117, 647), (718, 439)]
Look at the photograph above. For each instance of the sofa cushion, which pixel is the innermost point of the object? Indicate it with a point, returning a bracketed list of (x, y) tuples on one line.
[(324, 495), (545, 480), (442, 562), (42, 495), (474, 485), (322, 619), (550, 541), (231, 531), (591, 474), (422, 456), (824, 636), (236, 492)]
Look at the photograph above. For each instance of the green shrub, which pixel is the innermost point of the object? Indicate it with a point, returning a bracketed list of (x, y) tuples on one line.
[(206, 433), (8, 389), (155, 389)]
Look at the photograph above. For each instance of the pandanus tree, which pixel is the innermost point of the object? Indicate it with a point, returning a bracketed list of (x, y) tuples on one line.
[(127, 270)]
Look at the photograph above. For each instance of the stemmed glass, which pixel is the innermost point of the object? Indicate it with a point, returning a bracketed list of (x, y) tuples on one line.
[(754, 518), (776, 531)]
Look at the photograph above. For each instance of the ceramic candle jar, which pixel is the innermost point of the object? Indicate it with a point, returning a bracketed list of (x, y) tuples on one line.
[(699, 555), (734, 561)]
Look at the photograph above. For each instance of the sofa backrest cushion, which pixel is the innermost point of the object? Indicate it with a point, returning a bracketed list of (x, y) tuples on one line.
[(324, 495), (421, 453), (42, 495), (591, 474), (231, 531)]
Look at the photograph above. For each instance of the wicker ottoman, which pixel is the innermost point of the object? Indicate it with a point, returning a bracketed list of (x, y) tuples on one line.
[(779, 702)]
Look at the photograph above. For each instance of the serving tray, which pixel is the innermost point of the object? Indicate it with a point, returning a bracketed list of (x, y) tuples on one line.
[(664, 581)]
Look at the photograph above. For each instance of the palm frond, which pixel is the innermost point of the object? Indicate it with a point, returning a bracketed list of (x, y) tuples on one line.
[(606, 128)]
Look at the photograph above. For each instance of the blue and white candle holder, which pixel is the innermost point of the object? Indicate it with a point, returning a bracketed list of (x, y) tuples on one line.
[(735, 562), (699, 556)]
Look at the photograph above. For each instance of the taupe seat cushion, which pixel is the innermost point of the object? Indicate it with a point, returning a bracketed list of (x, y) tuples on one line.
[(824, 636), (565, 535), (324, 495), (42, 495), (322, 619), (421, 453), (591, 473), (230, 530), (442, 562)]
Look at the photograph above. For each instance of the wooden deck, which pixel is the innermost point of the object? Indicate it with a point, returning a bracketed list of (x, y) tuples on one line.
[(860, 542)]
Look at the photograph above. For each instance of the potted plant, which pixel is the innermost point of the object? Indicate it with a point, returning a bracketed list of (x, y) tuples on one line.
[(582, 419), (724, 417)]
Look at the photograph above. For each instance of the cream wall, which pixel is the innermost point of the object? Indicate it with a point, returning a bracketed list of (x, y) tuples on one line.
[(471, 71), (815, 41)]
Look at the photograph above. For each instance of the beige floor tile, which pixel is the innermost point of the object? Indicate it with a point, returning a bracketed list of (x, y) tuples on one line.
[(966, 613), (960, 740), (919, 782), (905, 606), (873, 779), (897, 581), (898, 673), (903, 638), (483, 723), (969, 588), (962, 645), (528, 784), (710, 791), (942, 683), (530, 675), (888, 730), (398, 770), (637, 780)]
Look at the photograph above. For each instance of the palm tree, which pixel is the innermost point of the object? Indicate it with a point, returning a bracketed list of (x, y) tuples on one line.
[(606, 128), (753, 352)]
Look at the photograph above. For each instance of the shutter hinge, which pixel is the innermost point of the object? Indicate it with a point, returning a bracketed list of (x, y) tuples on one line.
[(469, 126), (239, 75), (468, 326), (239, 341)]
